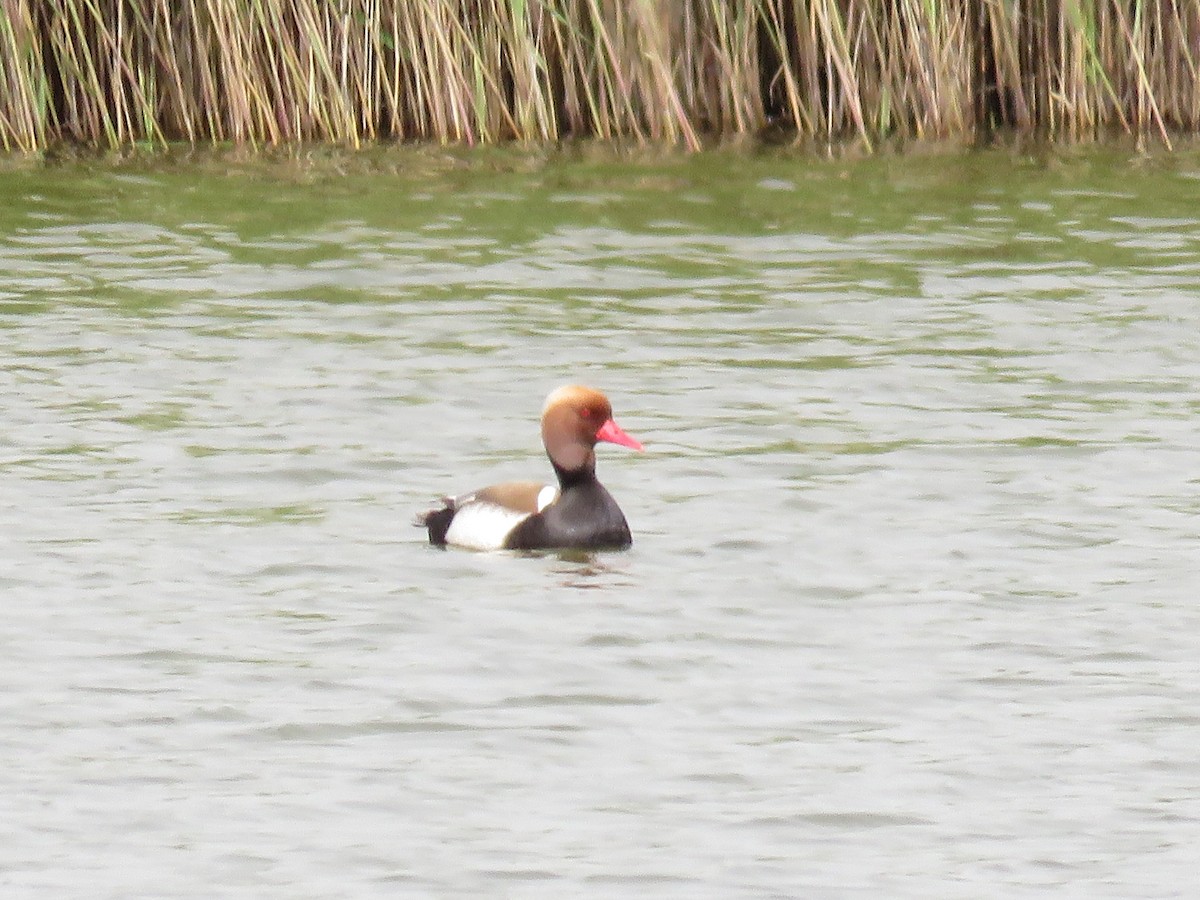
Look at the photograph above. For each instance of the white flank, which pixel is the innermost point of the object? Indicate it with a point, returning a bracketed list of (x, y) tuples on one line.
[(546, 496), (483, 526)]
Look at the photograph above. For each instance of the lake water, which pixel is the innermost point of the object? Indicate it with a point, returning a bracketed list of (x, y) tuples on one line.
[(913, 608)]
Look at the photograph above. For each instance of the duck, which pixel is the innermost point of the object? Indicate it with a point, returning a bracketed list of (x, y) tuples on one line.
[(577, 513)]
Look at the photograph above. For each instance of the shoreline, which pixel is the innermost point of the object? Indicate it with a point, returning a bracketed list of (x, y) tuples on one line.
[(676, 73)]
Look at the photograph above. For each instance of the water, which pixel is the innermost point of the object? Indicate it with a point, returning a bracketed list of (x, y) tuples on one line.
[(911, 609)]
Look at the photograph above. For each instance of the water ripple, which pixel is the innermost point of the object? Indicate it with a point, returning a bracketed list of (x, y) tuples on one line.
[(914, 532)]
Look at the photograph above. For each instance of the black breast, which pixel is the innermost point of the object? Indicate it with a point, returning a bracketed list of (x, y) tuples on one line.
[(585, 517)]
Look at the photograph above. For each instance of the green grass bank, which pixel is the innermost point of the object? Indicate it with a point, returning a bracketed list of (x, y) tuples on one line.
[(111, 73)]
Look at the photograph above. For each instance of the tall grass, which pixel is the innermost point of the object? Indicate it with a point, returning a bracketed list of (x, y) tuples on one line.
[(114, 72)]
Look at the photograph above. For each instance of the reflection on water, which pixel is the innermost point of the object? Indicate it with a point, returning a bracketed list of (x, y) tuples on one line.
[(910, 605)]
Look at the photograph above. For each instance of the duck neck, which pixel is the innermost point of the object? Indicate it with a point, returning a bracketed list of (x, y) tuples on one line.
[(569, 478)]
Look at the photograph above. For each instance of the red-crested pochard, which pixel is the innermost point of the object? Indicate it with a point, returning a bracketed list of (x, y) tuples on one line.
[(527, 515)]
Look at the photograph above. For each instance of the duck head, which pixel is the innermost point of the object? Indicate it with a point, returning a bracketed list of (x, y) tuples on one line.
[(574, 420)]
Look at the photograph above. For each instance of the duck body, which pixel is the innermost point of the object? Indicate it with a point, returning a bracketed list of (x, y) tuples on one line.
[(527, 515)]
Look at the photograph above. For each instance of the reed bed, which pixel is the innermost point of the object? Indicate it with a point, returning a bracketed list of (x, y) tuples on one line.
[(265, 72)]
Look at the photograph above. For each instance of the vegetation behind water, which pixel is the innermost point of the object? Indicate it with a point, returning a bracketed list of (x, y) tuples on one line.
[(114, 72)]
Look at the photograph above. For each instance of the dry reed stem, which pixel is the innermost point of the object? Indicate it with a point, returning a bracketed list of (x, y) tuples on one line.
[(115, 72)]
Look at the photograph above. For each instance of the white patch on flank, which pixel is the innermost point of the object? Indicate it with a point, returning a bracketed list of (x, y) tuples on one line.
[(483, 526), (546, 496)]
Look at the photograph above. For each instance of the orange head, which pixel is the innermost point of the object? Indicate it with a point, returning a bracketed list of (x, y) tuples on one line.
[(574, 419)]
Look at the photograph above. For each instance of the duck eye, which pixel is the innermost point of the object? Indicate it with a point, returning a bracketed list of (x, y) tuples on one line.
[(587, 412)]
